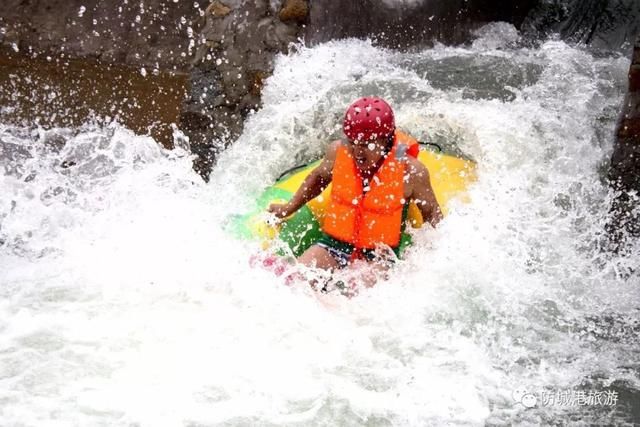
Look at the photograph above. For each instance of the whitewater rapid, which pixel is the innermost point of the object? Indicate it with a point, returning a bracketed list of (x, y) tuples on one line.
[(124, 301)]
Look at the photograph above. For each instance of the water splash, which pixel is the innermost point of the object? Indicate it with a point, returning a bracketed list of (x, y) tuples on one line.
[(123, 300)]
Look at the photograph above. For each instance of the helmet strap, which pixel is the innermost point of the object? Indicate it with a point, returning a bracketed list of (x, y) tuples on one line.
[(389, 146)]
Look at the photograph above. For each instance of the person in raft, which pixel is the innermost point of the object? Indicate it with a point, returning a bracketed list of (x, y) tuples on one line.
[(375, 175)]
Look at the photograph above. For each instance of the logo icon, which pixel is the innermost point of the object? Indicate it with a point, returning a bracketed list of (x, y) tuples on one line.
[(526, 399)]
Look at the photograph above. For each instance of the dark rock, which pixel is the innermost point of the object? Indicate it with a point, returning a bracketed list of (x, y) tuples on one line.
[(237, 44), (294, 11), (624, 173), (257, 82), (223, 125), (280, 35), (206, 92), (603, 24), (218, 9), (403, 25), (150, 33)]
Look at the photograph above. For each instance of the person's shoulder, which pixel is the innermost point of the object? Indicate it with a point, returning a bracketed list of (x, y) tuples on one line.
[(333, 147), (416, 167), (414, 163)]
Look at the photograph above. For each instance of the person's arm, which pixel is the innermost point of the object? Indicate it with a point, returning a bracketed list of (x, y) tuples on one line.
[(423, 194), (312, 186)]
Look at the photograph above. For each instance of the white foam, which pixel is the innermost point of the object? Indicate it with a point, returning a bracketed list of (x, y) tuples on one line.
[(123, 300)]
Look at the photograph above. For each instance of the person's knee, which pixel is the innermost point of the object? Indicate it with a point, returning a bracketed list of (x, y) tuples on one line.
[(311, 256), (317, 257)]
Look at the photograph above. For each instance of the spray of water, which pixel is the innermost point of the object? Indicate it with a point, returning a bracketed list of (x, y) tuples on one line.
[(124, 301)]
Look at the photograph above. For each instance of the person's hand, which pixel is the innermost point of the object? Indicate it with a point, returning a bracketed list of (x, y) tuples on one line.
[(280, 210)]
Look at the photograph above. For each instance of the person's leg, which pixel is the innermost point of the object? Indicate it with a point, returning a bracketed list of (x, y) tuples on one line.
[(318, 257)]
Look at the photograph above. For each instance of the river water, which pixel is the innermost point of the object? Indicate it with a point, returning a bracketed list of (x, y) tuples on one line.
[(124, 301)]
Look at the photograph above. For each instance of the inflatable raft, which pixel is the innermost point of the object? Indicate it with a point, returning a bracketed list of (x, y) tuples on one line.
[(450, 177)]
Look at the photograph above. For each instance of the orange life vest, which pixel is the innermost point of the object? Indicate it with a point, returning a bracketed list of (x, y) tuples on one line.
[(366, 218)]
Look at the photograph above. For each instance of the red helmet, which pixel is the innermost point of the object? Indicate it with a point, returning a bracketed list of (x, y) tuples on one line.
[(369, 118)]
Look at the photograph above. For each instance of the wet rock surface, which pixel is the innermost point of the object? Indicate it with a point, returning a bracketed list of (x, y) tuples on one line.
[(72, 92), (227, 46), (294, 11), (236, 47), (402, 24), (152, 33), (624, 173), (602, 24)]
